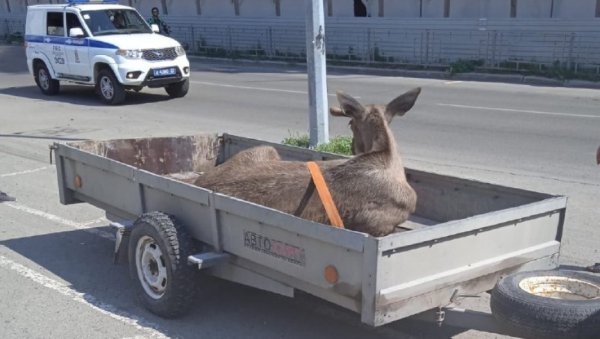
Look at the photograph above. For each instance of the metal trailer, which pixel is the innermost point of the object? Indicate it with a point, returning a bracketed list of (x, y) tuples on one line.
[(464, 236)]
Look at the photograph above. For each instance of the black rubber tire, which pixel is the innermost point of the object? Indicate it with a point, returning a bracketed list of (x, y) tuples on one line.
[(528, 315), (109, 89), (176, 245), (179, 89), (44, 81)]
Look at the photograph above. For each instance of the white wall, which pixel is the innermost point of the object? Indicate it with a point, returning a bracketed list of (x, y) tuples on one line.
[(570, 9), (534, 8), (465, 8), (258, 8), (295, 8), (495, 9), (16, 6), (401, 9), (187, 7), (221, 8), (341, 8), (3, 9), (434, 9)]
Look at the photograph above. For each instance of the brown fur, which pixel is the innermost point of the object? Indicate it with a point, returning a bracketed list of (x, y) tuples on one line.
[(240, 161), (370, 190)]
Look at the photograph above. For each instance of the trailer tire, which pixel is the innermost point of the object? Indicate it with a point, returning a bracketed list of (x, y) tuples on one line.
[(158, 251), (522, 304)]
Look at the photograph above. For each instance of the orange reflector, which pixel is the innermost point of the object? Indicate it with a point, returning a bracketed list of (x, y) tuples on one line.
[(78, 182), (331, 274)]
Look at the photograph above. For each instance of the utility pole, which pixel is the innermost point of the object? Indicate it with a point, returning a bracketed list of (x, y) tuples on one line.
[(317, 73)]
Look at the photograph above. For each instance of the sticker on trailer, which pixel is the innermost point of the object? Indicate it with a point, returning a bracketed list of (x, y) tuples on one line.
[(275, 248)]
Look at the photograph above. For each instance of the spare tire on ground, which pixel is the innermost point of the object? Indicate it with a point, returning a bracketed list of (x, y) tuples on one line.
[(548, 304)]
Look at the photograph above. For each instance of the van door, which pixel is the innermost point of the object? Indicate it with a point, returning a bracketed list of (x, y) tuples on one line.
[(77, 50), (54, 43)]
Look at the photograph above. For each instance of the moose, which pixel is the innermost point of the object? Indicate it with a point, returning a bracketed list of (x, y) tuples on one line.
[(370, 190)]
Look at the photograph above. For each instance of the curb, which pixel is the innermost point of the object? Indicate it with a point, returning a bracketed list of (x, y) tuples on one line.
[(427, 74), (542, 81), (512, 78), (582, 84)]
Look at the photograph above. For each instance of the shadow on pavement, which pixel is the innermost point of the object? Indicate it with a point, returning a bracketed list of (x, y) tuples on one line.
[(81, 95), (13, 59), (221, 310)]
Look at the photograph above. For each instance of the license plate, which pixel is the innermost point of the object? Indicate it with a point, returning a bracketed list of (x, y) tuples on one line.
[(161, 72)]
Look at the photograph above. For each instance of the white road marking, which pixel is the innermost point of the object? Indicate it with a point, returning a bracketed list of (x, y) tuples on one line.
[(453, 82), (86, 299), (521, 111), (23, 172), (80, 226), (265, 89)]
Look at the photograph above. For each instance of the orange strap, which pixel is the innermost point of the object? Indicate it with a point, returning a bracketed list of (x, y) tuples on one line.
[(325, 195)]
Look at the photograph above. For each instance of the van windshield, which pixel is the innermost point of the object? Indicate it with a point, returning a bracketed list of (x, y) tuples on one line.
[(115, 21)]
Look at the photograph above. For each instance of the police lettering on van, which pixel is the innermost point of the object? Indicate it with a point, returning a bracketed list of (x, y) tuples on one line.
[(103, 44)]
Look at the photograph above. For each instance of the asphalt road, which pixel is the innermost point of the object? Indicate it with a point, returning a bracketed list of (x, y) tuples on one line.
[(56, 268)]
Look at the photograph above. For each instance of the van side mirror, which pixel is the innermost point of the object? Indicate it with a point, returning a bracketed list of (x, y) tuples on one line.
[(76, 32), (155, 28)]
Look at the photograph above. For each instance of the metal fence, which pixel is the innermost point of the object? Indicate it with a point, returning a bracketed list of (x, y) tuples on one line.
[(9, 26), (496, 45), (501, 44)]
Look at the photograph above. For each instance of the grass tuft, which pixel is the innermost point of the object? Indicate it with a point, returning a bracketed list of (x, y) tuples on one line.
[(338, 145)]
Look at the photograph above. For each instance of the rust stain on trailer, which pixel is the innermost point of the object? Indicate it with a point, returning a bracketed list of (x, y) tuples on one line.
[(159, 155)]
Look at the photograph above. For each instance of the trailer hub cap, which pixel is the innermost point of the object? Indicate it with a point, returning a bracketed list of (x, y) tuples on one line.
[(556, 287), (151, 268)]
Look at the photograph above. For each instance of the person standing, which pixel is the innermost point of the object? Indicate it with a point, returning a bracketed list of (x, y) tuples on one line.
[(155, 19)]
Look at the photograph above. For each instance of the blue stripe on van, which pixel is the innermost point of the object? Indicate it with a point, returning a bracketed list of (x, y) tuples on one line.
[(59, 40)]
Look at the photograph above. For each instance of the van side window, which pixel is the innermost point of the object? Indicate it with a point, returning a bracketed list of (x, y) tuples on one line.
[(73, 22), (55, 25)]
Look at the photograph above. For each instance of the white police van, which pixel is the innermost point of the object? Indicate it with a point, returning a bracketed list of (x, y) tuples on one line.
[(104, 44)]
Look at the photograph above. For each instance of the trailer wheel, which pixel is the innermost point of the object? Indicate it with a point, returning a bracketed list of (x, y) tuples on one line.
[(158, 251), (548, 304)]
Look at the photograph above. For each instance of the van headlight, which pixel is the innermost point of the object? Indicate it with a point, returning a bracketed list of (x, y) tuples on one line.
[(130, 53), (179, 50)]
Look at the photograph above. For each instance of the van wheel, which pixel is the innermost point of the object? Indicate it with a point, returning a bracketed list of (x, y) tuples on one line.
[(179, 89), (158, 250), (548, 304), (44, 81), (110, 90)]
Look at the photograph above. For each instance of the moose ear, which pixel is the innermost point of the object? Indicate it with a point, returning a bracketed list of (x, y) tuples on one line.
[(350, 106), (402, 104), (336, 111)]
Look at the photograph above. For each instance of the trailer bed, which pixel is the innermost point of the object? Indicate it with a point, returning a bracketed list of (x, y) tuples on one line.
[(462, 238)]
